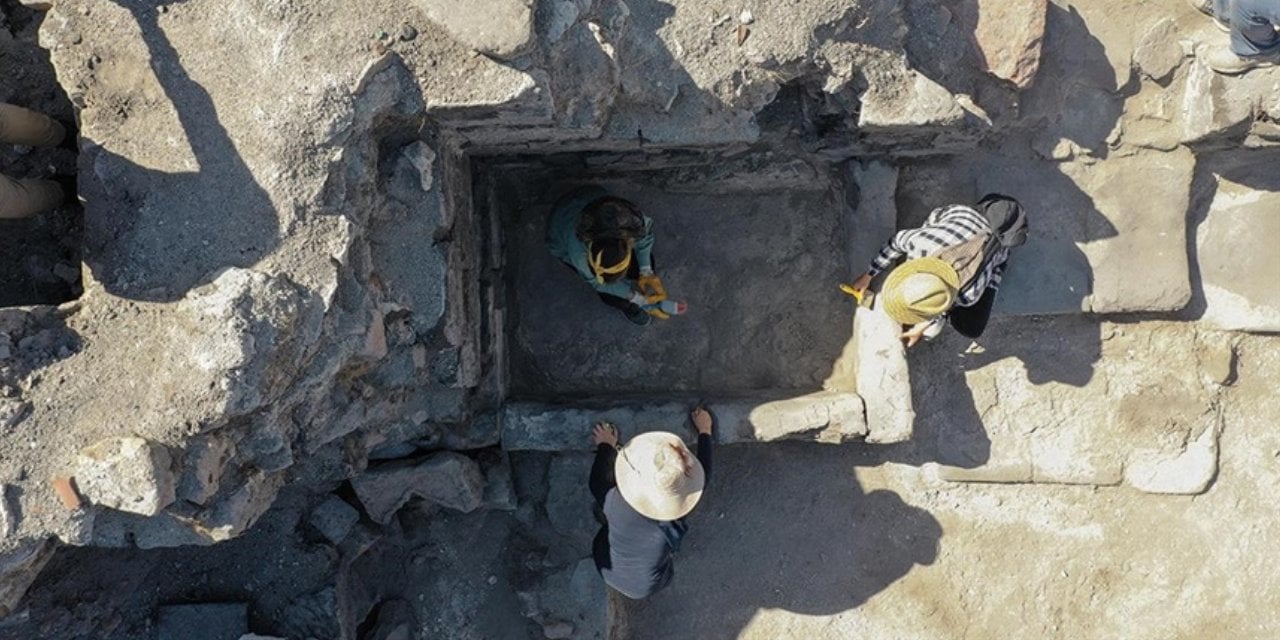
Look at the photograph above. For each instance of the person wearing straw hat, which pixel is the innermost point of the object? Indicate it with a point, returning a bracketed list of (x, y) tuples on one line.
[(608, 242), (953, 267), (643, 491)]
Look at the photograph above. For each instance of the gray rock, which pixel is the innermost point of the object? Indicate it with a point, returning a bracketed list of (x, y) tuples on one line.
[(500, 28), (203, 466), (211, 621), (12, 412), (235, 511), (395, 621), (128, 474), (19, 568), (448, 479), (334, 518), (1159, 53)]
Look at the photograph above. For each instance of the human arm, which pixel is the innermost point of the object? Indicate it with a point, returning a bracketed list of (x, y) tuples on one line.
[(644, 248), (605, 436), (890, 253), (703, 423)]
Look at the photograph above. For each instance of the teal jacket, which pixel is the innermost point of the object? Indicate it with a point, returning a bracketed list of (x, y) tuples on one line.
[(562, 240)]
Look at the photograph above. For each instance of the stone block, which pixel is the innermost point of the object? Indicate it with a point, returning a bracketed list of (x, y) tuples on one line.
[(128, 474), (883, 378), (1159, 53), (208, 621), (915, 102), (448, 479), (1143, 201), (825, 416), (1008, 472), (333, 518), (1236, 251), (500, 28), (1008, 38), (1217, 108), (1070, 456)]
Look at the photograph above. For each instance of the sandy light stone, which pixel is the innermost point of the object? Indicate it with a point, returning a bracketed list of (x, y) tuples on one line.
[(128, 474)]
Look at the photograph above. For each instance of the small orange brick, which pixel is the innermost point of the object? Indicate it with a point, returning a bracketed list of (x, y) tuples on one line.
[(65, 487)]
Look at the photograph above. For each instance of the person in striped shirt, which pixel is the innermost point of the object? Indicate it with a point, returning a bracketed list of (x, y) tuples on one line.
[(953, 267)]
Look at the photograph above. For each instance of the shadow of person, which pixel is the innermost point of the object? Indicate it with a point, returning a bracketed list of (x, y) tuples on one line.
[(153, 235), (1249, 169), (784, 526)]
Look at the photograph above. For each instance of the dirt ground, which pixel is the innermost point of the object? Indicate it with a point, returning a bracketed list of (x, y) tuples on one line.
[(860, 542)]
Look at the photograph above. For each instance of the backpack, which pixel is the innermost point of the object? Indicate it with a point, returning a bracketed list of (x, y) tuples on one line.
[(1007, 218), (1008, 222)]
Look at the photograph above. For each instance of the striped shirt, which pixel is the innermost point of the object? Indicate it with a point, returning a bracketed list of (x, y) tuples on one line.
[(946, 227)]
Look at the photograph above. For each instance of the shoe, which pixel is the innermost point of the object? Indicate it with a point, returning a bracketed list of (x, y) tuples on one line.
[(1206, 7), (1203, 6), (638, 316), (1226, 62)]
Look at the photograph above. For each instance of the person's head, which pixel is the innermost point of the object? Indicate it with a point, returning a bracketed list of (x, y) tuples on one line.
[(609, 258), (919, 290), (658, 476)]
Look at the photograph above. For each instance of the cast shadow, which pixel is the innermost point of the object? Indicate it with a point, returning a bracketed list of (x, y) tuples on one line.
[(785, 526), (1255, 169), (1075, 102), (153, 235)]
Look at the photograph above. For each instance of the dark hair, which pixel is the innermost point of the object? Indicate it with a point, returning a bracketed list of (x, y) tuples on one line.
[(610, 218), (611, 252)]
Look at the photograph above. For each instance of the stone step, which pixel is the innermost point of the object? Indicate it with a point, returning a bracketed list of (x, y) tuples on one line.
[(824, 416)]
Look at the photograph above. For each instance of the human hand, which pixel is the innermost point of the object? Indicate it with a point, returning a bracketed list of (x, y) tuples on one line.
[(605, 433), (651, 288), (913, 335), (657, 312), (862, 282), (701, 420)]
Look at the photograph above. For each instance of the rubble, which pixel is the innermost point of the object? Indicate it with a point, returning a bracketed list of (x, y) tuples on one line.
[(129, 474), (450, 480)]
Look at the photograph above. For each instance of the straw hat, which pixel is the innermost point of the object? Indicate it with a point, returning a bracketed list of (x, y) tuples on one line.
[(658, 476), (919, 290)]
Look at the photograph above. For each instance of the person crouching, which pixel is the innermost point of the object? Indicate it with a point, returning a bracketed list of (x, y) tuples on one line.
[(643, 491)]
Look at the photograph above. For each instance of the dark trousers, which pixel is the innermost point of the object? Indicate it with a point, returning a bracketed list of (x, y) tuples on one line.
[(601, 481), (970, 322)]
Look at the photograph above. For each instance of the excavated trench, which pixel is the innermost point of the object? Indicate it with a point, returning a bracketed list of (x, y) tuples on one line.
[(755, 243)]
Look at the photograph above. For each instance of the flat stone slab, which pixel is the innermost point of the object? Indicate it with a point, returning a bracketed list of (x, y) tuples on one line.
[(822, 417), (1239, 263)]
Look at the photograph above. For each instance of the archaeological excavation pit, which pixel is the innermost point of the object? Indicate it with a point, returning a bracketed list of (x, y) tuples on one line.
[(755, 244)]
